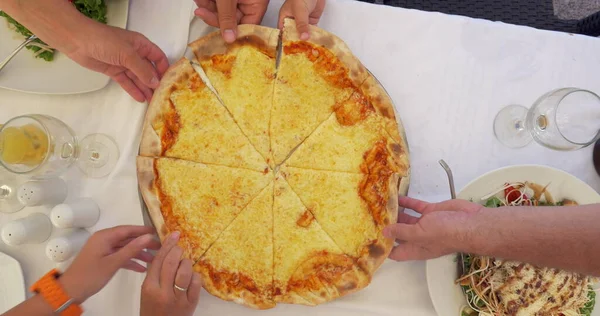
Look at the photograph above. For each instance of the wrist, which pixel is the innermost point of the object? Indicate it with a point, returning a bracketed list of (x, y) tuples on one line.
[(74, 287)]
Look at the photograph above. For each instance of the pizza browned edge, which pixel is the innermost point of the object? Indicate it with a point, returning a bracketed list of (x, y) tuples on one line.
[(160, 106), (151, 146)]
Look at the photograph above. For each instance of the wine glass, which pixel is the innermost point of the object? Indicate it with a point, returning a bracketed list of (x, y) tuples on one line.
[(43, 146), (562, 119), (9, 183)]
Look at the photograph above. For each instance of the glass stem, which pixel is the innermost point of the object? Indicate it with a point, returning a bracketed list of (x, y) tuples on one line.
[(4, 192)]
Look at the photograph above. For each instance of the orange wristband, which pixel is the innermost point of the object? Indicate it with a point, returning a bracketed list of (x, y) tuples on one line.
[(53, 293)]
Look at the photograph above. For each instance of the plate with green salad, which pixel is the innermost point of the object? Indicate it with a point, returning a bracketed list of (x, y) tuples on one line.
[(40, 68), (472, 285)]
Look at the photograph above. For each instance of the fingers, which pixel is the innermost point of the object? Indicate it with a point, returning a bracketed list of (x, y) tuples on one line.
[(158, 58), (301, 11), (254, 13), (194, 288), (315, 15), (134, 266), (413, 204), (127, 84), (156, 265), (209, 17), (407, 219), (400, 231), (141, 67), (169, 267), (130, 251), (408, 251), (117, 234), (227, 14), (147, 92), (183, 278), (144, 256)]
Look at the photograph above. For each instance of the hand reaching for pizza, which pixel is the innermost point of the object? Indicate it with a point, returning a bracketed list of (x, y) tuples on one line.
[(439, 231), (103, 255), (227, 14), (305, 12), (171, 286)]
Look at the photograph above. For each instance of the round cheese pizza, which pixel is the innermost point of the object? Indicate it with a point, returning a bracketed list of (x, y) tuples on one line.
[(279, 161)]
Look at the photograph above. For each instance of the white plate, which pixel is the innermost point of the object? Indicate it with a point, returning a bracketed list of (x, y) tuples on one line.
[(12, 286), (447, 297), (60, 76)]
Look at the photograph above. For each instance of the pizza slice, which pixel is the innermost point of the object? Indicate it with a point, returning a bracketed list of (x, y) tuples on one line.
[(348, 138), (309, 268), (239, 265), (186, 120), (344, 202), (243, 75), (197, 200), (313, 78)]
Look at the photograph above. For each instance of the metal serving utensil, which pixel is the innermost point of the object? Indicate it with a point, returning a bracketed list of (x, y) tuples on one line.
[(461, 256), (17, 50)]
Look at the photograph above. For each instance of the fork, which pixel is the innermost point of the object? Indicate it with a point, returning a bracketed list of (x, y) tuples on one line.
[(17, 50)]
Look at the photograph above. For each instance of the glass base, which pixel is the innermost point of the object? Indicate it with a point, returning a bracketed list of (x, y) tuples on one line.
[(509, 126), (9, 203), (98, 155)]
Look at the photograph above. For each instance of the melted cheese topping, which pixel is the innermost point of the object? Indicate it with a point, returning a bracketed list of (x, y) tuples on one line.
[(304, 96), (202, 200), (244, 81), (334, 200), (241, 260), (294, 244), (207, 133)]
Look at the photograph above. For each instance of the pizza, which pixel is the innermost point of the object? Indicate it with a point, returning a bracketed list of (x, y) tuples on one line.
[(279, 161)]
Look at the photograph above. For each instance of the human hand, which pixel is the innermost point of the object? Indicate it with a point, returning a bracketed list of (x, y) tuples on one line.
[(227, 14), (127, 57), (305, 12), (171, 286), (103, 255), (440, 230)]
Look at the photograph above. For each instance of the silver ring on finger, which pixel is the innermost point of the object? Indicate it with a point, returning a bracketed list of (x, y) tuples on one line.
[(179, 288)]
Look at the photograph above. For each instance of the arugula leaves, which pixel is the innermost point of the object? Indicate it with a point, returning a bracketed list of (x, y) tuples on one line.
[(589, 306), (493, 202)]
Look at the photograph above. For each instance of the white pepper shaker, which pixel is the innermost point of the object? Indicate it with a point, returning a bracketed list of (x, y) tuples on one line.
[(43, 192), (62, 248), (33, 229), (81, 213)]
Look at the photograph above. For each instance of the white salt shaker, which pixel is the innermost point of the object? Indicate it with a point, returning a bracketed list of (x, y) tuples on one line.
[(43, 192), (33, 229), (62, 248), (81, 213)]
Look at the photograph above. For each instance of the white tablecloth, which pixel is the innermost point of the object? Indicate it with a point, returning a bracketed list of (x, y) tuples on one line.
[(448, 77)]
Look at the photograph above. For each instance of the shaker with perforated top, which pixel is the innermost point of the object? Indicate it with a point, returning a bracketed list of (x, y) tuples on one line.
[(81, 213), (33, 229), (43, 192), (62, 248)]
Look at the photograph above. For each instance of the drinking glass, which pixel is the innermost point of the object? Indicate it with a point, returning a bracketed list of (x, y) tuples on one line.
[(9, 183), (562, 119), (43, 146)]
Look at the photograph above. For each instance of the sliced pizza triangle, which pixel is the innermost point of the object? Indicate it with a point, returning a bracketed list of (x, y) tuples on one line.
[(314, 77), (186, 120), (243, 75), (309, 268), (197, 200), (239, 265), (344, 202)]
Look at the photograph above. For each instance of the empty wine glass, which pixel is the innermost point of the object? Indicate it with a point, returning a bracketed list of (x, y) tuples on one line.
[(562, 119), (9, 183), (42, 146)]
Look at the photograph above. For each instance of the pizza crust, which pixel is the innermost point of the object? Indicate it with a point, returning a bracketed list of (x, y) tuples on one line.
[(150, 145), (146, 176), (213, 43), (358, 73)]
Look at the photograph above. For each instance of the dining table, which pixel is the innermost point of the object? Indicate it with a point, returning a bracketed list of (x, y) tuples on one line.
[(447, 75)]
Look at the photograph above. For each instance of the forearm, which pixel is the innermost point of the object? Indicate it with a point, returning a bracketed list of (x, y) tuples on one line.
[(53, 21), (558, 237)]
